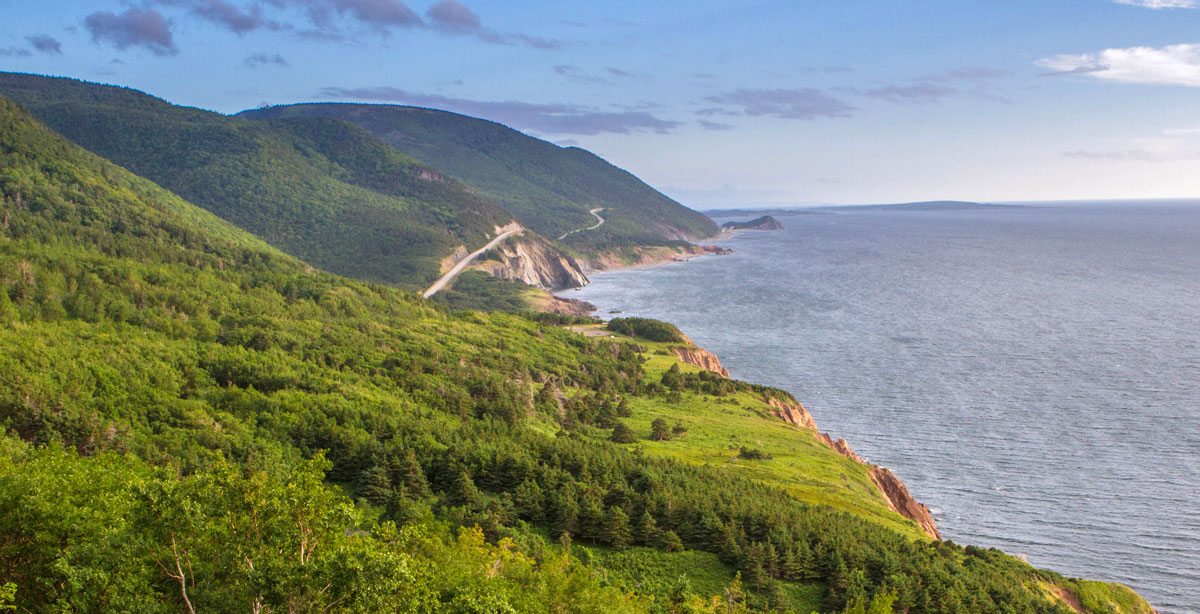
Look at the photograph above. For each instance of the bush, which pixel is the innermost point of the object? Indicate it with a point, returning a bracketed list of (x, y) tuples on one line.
[(623, 434), (753, 454), (646, 328)]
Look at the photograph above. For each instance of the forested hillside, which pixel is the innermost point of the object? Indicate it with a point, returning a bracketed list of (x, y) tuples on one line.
[(195, 421), (320, 189), (549, 188)]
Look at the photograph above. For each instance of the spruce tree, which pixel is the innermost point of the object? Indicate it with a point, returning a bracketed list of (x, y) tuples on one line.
[(647, 530), (660, 430), (623, 434), (616, 528)]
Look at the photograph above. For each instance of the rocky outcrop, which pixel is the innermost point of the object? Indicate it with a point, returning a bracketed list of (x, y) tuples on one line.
[(792, 414), (901, 501), (765, 222), (645, 256), (534, 261), (449, 261), (564, 306), (893, 490), (701, 358)]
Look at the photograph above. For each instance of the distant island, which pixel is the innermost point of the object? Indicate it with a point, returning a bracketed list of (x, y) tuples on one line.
[(765, 222), (933, 205)]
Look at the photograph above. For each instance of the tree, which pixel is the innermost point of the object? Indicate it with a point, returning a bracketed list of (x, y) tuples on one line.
[(672, 379), (623, 410), (377, 486), (660, 430), (670, 541), (623, 434), (647, 529), (616, 528)]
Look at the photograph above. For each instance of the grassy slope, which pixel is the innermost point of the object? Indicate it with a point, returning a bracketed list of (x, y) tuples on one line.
[(322, 190), (718, 427), (132, 321), (549, 188)]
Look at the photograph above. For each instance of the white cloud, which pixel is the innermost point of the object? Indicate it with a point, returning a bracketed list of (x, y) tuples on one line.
[(1173, 145), (1162, 4), (1170, 65)]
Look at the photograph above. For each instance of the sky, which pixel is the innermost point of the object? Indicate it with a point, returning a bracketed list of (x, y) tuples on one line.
[(716, 103)]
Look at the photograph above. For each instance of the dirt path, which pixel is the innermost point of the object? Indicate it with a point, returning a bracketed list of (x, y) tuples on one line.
[(595, 212), (458, 268)]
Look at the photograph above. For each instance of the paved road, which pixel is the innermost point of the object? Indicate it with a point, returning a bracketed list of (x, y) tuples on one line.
[(458, 268), (595, 212)]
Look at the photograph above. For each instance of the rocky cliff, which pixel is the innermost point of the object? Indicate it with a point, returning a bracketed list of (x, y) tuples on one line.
[(901, 501), (701, 358), (535, 261), (893, 490), (794, 414)]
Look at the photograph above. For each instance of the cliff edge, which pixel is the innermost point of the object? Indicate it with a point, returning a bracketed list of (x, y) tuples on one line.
[(894, 491)]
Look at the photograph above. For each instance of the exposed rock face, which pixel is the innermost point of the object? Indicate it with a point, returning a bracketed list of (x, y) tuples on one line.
[(535, 261), (449, 261), (765, 222), (841, 446), (794, 414), (643, 256), (901, 501), (701, 358), (893, 490), (566, 306)]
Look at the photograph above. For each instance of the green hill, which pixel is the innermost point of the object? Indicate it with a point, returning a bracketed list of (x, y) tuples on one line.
[(320, 189), (549, 188), (190, 419)]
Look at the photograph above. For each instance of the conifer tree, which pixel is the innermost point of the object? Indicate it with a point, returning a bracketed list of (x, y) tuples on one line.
[(647, 530), (616, 528), (623, 434), (660, 430)]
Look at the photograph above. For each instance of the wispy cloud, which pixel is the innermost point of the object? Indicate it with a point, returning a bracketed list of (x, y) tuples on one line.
[(45, 43), (1162, 4), (133, 28), (973, 80), (917, 92), (707, 125), (14, 52), (265, 59), (343, 20), (1171, 65), (578, 75), (805, 103), (224, 14), (1172, 145), (544, 118), (455, 18)]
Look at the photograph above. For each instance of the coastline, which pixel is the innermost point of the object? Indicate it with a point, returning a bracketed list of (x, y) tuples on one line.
[(890, 487), (659, 295)]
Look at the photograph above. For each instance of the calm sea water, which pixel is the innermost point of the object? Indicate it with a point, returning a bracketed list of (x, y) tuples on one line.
[(1033, 374)]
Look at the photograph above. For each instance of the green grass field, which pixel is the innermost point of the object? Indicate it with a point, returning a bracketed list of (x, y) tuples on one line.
[(718, 427)]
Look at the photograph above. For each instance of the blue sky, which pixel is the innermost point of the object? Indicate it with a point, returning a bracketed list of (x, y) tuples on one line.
[(716, 103)]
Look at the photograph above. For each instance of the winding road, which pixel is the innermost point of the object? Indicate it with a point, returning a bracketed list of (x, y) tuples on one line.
[(595, 212), (458, 268)]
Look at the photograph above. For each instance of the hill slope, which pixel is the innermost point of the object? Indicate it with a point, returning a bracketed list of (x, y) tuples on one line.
[(319, 189), (549, 188), (198, 374)]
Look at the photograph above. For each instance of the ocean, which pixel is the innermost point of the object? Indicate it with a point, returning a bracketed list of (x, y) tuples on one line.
[(1032, 373)]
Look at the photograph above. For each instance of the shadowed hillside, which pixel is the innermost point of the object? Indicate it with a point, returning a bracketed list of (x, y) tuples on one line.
[(320, 189), (549, 188)]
